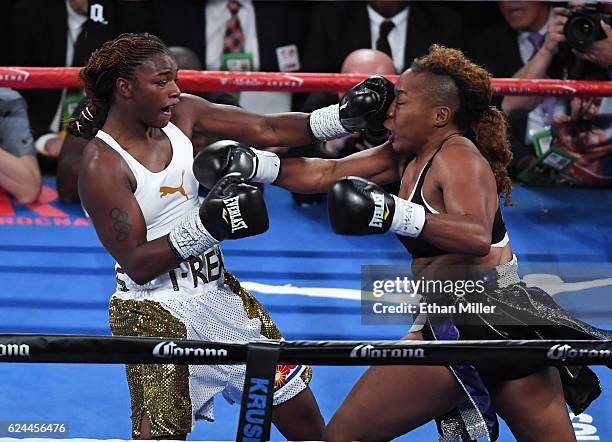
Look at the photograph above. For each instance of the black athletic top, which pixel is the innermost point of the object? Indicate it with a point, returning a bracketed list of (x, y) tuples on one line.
[(419, 248)]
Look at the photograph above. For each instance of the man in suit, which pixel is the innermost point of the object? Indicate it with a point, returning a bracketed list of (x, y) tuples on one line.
[(504, 49), (579, 126), (58, 33), (47, 31), (402, 29), (272, 36)]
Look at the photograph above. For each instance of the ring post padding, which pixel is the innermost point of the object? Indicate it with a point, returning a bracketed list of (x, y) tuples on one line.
[(256, 408)]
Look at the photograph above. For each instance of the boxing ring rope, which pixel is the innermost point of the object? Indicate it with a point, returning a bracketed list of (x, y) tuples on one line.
[(261, 358), (223, 81), (140, 350)]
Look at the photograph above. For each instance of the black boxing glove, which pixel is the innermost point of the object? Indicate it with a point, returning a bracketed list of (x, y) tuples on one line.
[(375, 137), (363, 106), (226, 156), (231, 210), (360, 207)]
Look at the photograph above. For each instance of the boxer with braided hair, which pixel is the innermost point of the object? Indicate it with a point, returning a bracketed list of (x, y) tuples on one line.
[(449, 148), (136, 183)]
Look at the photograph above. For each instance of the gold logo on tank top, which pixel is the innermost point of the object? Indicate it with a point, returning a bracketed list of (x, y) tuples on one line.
[(167, 190)]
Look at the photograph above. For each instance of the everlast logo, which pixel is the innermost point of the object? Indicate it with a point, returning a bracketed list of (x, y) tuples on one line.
[(369, 351), (563, 352), (381, 212), (233, 210), (169, 349), (14, 350), (256, 409)]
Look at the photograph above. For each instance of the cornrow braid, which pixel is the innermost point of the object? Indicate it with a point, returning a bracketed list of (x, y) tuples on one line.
[(116, 58), (485, 124)]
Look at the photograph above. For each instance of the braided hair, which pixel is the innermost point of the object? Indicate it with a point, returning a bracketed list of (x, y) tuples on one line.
[(116, 58), (484, 124)]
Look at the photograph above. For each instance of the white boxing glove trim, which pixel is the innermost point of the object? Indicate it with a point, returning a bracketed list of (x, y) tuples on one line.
[(189, 237), (408, 219), (325, 123), (267, 167)]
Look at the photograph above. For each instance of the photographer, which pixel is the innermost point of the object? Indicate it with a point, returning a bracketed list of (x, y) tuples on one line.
[(575, 46), (599, 52)]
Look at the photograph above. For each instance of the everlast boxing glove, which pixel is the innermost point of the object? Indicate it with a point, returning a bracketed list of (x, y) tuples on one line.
[(363, 106), (360, 207), (227, 156), (231, 210), (234, 209)]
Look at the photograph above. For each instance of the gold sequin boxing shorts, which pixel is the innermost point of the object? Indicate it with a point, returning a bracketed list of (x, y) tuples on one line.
[(173, 396)]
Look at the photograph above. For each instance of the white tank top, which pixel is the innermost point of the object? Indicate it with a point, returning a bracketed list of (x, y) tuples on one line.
[(164, 198)]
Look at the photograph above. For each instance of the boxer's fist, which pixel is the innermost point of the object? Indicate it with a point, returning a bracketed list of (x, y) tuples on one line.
[(360, 207), (234, 209), (228, 156), (365, 104)]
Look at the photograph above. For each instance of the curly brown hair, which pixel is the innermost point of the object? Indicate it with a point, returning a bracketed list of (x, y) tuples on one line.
[(116, 58), (485, 124)]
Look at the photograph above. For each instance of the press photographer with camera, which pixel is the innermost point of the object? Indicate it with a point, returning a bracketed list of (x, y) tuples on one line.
[(579, 41), (583, 29)]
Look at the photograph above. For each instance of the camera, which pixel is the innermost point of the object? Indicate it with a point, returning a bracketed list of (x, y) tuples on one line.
[(583, 27)]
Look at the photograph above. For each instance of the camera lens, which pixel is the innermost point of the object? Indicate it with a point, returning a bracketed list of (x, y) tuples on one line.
[(580, 31)]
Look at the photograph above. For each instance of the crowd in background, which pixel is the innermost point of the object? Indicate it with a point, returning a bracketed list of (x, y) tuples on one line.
[(557, 141)]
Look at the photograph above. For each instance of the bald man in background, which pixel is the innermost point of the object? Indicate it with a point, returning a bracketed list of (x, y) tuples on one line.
[(360, 61)]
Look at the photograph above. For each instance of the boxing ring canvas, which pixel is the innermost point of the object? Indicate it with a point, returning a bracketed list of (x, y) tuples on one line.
[(57, 278)]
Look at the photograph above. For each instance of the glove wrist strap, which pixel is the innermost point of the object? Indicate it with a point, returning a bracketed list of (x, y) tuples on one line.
[(325, 123), (267, 168), (189, 237), (408, 219)]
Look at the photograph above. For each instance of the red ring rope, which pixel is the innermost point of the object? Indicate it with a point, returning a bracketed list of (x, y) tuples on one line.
[(223, 81)]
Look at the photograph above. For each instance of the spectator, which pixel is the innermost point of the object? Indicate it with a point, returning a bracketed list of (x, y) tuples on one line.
[(580, 126), (402, 29), (524, 23), (52, 38), (268, 36), (19, 172), (62, 33)]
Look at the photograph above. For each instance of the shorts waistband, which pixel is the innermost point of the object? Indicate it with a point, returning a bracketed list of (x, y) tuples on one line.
[(503, 275), (186, 276)]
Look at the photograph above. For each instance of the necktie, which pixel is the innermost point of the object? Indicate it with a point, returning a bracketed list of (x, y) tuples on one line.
[(382, 44), (234, 37), (536, 39), (548, 104)]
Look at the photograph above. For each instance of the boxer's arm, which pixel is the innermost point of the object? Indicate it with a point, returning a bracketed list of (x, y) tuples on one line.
[(106, 194), (315, 175), (286, 129)]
